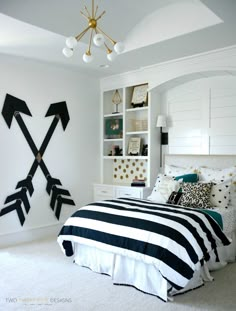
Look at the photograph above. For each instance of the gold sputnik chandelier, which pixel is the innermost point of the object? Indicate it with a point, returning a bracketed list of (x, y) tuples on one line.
[(97, 35)]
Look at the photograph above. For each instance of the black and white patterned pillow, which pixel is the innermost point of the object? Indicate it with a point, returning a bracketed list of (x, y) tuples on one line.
[(175, 198), (196, 195), (220, 193), (215, 175)]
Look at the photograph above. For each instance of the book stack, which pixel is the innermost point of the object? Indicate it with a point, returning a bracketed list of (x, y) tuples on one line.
[(138, 183)]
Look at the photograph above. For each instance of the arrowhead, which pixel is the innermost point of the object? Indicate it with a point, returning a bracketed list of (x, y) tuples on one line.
[(19, 196), (61, 110), (11, 105), (15, 206), (52, 182), (60, 201), (56, 192), (26, 183)]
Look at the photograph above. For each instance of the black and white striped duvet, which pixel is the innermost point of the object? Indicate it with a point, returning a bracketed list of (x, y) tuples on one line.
[(176, 240)]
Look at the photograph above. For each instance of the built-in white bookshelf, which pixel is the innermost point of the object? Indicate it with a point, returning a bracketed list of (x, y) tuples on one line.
[(132, 122)]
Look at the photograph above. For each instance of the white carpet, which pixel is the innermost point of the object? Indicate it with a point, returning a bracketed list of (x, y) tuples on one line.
[(37, 276)]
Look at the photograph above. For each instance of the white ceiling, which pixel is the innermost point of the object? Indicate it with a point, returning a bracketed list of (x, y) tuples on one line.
[(153, 31)]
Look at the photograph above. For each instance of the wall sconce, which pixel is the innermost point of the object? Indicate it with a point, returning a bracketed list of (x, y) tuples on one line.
[(161, 122)]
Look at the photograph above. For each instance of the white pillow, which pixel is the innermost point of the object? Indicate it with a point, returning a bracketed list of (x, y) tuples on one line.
[(174, 171), (209, 174), (219, 196), (221, 175), (163, 188)]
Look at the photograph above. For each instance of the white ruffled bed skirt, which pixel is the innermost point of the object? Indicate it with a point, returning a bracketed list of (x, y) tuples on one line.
[(146, 277)]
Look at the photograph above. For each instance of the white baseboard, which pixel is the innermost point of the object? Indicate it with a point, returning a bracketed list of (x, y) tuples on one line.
[(15, 238)]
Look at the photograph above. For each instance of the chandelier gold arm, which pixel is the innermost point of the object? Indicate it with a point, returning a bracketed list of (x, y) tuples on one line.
[(79, 36), (100, 16), (108, 37), (87, 17), (92, 8), (109, 51), (96, 12), (87, 11), (90, 42)]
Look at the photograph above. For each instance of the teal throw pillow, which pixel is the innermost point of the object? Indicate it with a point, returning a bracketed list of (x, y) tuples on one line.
[(188, 178)]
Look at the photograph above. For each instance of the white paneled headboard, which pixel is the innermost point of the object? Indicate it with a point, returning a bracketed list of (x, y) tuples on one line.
[(202, 116), (212, 161)]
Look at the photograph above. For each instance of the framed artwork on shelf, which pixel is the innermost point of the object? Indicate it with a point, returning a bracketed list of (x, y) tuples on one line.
[(139, 97), (134, 147), (113, 128)]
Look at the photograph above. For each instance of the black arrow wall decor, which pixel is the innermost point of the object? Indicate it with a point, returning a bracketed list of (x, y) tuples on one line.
[(12, 108)]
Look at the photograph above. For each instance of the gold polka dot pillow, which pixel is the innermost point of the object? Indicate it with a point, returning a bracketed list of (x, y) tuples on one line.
[(196, 195), (209, 174), (174, 171)]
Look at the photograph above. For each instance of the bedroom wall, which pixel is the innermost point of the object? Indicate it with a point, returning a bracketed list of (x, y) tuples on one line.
[(72, 155), (202, 116), (165, 76)]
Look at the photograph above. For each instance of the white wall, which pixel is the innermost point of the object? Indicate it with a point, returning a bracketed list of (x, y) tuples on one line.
[(72, 155), (164, 76), (202, 116)]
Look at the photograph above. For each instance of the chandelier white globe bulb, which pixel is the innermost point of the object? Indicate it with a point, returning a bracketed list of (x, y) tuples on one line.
[(119, 47), (111, 56), (87, 58), (71, 42), (98, 39), (67, 52)]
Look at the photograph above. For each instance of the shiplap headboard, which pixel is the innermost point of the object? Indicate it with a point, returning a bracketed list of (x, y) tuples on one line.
[(212, 161)]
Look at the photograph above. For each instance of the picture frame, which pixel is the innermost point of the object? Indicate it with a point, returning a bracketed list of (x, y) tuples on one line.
[(113, 128), (139, 96), (134, 147)]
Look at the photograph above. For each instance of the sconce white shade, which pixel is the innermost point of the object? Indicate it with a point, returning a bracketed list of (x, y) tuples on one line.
[(161, 121)]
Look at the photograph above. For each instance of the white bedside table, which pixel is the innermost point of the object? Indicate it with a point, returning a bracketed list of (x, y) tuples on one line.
[(106, 192)]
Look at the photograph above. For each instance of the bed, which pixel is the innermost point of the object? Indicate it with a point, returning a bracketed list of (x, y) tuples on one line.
[(157, 245)]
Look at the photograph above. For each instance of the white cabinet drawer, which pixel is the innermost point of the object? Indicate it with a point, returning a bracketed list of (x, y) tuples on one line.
[(107, 192), (103, 192), (128, 192)]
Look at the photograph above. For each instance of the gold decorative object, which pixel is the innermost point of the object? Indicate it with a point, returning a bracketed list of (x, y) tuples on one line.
[(97, 35), (116, 99)]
